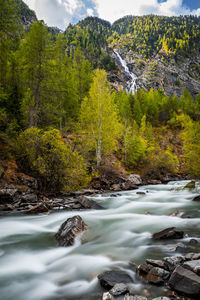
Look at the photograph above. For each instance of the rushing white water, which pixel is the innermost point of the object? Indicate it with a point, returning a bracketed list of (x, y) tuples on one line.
[(131, 82), (34, 267)]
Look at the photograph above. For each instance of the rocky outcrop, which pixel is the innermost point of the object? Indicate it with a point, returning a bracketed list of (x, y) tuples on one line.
[(161, 72), (169, 233), (71, 229), (180, 273), (116, 183)]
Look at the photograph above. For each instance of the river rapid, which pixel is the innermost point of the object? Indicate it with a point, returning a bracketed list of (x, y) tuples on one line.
[(33, 267)]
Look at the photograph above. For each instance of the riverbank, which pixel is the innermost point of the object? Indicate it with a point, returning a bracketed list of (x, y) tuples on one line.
[(19, 192)]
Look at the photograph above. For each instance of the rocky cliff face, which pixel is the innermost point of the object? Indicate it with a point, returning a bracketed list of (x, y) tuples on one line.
[(161, 72)]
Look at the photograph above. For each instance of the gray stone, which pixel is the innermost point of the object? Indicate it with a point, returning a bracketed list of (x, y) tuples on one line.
[(70, 230), (169, 233), (193, 265), (135, 179), (192, 256), (185, 281), (157, 275), (119, 289), (107, 296), (172, 262), (156, 263), (109, 279)]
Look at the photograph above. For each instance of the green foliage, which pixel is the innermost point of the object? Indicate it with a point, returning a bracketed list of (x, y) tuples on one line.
[(191, 144), (46, 155), (135, 147), (99, 117), (150, 34)]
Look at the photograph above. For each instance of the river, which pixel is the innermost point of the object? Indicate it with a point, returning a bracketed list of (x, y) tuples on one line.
[(33, 267)]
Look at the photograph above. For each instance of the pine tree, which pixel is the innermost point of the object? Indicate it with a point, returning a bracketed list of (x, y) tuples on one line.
[(33, 67)]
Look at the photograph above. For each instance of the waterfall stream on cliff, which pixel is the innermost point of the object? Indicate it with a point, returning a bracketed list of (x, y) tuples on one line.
[(131, 81), (34, 267)]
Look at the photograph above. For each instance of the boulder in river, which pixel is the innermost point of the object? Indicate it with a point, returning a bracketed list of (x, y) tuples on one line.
[(70, 230), (88, 203), (169, 233), (197, 198), (109, 279), (185, 281), (190, 185)]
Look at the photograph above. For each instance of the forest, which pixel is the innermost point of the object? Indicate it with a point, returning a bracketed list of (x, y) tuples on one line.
[(60, 118)]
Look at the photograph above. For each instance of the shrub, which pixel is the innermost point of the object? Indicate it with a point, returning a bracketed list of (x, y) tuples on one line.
[(46, 156)]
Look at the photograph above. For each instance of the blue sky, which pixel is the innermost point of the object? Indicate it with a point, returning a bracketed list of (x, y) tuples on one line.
[(62, 12)]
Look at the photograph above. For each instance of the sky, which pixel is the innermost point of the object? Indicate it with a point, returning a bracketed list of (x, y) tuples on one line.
[(60, 13)]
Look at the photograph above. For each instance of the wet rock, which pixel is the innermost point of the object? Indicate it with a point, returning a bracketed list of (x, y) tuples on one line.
[(37, 209), (157, 275), (154, 181), (181, 248), (193, 265), (190, 185), (156, 263), (88, 203), (140, 193), (107, 296), (119, 289), (193, 242), (192, 256), (185, 281), (169, 233), (144, 269), (172, 262), (178, 213), (196, 199), (128, 186), (109, 279), (135, 179), (129, 297), (161, 298), (70, 230), (29, 198)]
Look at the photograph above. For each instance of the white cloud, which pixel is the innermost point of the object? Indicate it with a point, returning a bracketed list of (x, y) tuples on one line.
[(112, 10), (62, 12), (90, 12)]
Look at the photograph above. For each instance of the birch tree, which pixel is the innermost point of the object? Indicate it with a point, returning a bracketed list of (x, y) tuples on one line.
[(99, 117)]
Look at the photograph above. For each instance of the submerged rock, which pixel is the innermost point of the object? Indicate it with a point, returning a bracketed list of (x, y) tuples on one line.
[(70, 230), (109, 279), (185, 281), (190, 185), (169, 233)]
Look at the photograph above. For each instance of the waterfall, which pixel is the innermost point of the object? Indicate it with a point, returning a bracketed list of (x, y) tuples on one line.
[(131, 82)]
